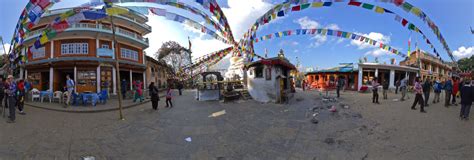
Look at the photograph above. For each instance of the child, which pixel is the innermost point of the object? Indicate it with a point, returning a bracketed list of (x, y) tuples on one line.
[(168, 98)]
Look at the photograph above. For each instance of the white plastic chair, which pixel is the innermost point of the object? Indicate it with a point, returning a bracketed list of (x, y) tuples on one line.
[(35, 94), (57, 96)]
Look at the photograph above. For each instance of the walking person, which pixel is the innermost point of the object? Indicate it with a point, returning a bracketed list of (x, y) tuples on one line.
[(21, 96), (2, 94), (426, 90), (404, 88), (467, 97), (418, 96), (340, 85), (375, 91), (397, 84), (138, 91), (180, 87), (303, 85), (437, 90), (27, 89), (154, 95), (70, 89), (448, 88), (124, 86), (11, 92), (169, 95), (385, 89), (455, 90)]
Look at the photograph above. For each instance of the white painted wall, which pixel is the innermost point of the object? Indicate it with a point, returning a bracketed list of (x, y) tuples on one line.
[(260, 89)]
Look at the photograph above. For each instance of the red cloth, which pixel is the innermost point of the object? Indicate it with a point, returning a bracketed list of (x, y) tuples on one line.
[(21, 86), (455, 87)]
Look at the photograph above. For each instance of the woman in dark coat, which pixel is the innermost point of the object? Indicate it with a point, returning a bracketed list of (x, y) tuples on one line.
[(153, 90)]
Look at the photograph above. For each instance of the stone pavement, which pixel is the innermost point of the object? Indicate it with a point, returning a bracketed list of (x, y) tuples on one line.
[(248, 130), (111, 105)]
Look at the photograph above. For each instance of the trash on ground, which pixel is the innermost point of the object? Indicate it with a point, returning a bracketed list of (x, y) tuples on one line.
[(333, 109), (188, 139), (314, 120), (217, 114), (346, 107), (315, 114), (88, 158), (285, 110), (395, 100)]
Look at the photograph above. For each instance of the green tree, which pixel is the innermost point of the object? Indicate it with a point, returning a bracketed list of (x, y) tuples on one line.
[(175, 55), (466, 64)]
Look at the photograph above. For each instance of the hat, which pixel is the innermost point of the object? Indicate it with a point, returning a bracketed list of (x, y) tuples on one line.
[(10, 76)]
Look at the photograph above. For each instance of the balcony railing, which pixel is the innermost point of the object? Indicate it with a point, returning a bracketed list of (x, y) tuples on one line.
[(96, 27)]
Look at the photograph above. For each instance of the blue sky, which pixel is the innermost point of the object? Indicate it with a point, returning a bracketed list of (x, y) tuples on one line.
[(452, 17)]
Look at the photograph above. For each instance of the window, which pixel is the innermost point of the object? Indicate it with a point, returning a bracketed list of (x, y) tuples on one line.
[(38, 53), (104, 46), (129, 54), (259, 72), (74, 48), (87, 78)]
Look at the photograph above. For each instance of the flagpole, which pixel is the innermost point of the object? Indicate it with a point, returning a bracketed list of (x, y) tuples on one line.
[(117, 67)]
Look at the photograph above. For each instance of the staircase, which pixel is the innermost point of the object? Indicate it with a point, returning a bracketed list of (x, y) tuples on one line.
[(245, 94)]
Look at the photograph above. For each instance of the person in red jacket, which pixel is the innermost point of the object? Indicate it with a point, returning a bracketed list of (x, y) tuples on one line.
[(455, 90), (21, 96)]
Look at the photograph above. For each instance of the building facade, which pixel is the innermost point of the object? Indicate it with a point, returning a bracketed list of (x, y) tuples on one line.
[(327, 78), (86, 51), (430, 66), (157, 71), (389, 72)]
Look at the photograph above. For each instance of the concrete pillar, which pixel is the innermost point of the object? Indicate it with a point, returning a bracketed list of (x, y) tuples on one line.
[(52, 49), (114, 81), (392, 79), (98, 79), (144, 81), (26, 74), (376, 72), (359, 78), (97, 46), (75, 78), (131, 81), (113, 50), (22, 73), (51, 76)]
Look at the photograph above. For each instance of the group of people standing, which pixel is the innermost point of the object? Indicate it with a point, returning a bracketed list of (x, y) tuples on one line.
[(453, 87), (14, 93)]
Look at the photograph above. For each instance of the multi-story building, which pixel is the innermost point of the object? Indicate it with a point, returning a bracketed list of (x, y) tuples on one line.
[(429, 65), (157, 71), (86, 52)]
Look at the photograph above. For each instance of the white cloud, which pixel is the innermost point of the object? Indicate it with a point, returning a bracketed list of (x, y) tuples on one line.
[(294, 43), (307, 23), (296, 51), (377, 52), (5, 47), (463, 52), (372, 35), (241, 14)]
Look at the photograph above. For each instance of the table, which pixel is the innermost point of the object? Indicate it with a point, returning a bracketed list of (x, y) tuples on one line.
[(89, 96), (46, 93)]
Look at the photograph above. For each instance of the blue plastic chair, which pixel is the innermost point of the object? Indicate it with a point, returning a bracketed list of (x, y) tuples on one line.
[(76, 99), (103, 96)]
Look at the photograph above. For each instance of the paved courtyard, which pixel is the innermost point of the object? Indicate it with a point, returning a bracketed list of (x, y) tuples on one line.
[(248, 130)]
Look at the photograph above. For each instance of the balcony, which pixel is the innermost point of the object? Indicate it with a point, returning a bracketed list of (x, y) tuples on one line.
[(95, 28)]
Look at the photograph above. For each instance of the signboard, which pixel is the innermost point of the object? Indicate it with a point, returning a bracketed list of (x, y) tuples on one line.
[(105, 52)]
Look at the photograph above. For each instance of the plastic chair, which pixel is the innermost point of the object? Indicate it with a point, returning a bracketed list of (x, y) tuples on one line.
[(49, 95), (76, 98), (57, 96), (35, 94), (103, 96)]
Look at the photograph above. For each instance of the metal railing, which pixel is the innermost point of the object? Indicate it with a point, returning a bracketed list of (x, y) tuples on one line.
[(96, 27)]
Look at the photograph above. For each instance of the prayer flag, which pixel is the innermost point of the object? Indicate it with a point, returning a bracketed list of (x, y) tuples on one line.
[(409, 46), (379, 9), (323, 32), (304, 6), (407, 6), (313, 31), (404, 22), (296, 8), (317, 4), (348, 35), (398, 18), (416, 11), (298, 31), (353, 36), (354, 3), (411, 26), (277, 34), (304, 31), (281, 13), (159, 12), (344, 34), (339, 33), (327, 4), (94, 15), (280, 33), (388, 11), (329, 32), (368, 6), (43, 38), (116, 10)]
